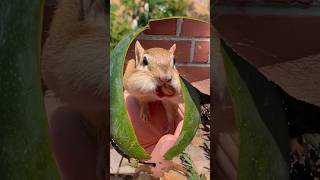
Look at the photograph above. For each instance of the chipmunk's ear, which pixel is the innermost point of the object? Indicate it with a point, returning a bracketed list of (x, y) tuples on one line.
[(172, 49), (90, 8), (138, 51)]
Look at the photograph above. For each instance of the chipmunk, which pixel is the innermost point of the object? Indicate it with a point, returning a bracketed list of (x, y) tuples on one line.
[(153, 76), (74, 64)]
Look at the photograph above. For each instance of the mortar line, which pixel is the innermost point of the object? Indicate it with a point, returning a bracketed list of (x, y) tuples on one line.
[(193, 42), (179, 23)]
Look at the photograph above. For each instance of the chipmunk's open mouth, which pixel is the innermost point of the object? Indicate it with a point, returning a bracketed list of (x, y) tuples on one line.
[(159, 92), (165, 90)]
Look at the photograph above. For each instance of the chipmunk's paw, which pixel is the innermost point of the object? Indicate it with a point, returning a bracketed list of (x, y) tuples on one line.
[(144, 112)]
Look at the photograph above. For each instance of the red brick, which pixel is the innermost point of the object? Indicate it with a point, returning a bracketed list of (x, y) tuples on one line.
[(195, 28), (162, 27), (201, 52), (182, 53), (193, 74), (130, 52)]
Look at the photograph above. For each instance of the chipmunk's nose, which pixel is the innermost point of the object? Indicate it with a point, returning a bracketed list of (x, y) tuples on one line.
[(165, 79)]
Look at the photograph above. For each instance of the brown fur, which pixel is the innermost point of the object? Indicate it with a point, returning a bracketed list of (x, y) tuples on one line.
[(74, 62)]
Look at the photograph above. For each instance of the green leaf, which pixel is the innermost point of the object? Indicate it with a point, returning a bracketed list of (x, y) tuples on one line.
[(191, 119), (264, 149), (120, 126), (24, 143), (121, 129)]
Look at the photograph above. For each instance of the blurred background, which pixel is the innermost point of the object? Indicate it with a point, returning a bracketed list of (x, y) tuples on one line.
[(281, 39)]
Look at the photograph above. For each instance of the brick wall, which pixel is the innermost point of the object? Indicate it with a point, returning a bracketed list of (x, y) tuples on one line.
[(192, 39)]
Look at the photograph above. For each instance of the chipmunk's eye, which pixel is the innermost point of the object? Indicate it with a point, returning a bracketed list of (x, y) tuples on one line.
[(174, 60), (145, 61)]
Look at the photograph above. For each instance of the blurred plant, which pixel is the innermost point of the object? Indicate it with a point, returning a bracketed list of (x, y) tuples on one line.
[(119, 25), (137, 13), (160, 9)]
